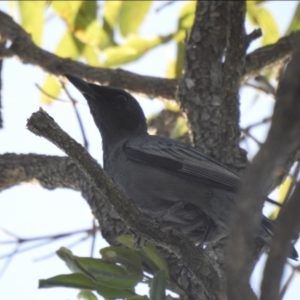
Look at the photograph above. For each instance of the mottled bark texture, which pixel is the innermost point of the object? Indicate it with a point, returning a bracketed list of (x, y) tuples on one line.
[(216, 65), (41, 124), (53, 172), (215, 55)]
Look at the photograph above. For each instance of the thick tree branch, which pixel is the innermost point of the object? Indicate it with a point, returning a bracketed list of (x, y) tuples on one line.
[(268, 165), (269, 56), (280, 247), (43, 125), (28, 52), (201, 88), (233, 66), (61, 172), (22, 46)]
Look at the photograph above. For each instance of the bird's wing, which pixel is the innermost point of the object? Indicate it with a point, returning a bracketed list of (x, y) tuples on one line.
[(181, 160)]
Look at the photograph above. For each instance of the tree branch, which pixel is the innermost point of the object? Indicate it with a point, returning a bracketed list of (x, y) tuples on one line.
[(267, 57), (28, 52), (61, 172), (267, 167), (200, 91), (287, 222), (232, 155), (22, 46), (43, 125)]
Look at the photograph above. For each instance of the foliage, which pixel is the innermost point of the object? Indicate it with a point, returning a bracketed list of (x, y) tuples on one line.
[(116, 274), (114, 38)]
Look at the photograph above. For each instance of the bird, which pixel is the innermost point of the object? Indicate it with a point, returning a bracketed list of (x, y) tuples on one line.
[(170, 182)]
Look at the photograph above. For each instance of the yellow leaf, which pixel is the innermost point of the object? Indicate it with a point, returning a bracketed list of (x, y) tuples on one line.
[(32, 18), (131, 50), (52, 87), (283, 191), (132, 15)]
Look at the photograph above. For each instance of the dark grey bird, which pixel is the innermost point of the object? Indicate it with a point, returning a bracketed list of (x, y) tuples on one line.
[(170, 182)]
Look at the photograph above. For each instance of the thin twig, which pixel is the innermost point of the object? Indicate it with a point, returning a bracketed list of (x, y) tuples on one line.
[(163, 6), (255, 34), (9, 259), (287, 283), (74, 102), (44, 240), (71, 245), (93, 237), (49, 95), (247, 133)]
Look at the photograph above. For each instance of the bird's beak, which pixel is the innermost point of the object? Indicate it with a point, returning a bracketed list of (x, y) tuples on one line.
[(81, 85)]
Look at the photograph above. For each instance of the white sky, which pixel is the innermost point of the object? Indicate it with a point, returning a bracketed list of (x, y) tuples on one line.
[(29, 210)]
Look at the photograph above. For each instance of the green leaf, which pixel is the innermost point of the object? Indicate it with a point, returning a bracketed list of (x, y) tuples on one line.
[(149, 253), (131, 50), (187, 15), (75, 280), (114, 293), (260, 16), (86, 295), (89, 266), (87, 28), (158, 286), (126, 257), (91, 55), (137, 297), (102, 272), (179, 129), (80, 281), (69, 47), (175, 68), (185, 21), (67, 10), (93, 35), (111, 13), (269, 27), (127, 240), (283, 190), (86, 14), (52, 87), (171, 73), (131, 16), (81, 18), (252, 12), (295, 23), (127, 281), (32, 18)]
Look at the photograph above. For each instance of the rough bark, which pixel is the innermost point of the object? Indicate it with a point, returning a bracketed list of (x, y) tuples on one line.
[(209, 94), (209, 89), (53, 172), (41, 124)]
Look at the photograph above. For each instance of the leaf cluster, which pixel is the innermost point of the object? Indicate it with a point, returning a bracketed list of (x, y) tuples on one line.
[(116, 274)]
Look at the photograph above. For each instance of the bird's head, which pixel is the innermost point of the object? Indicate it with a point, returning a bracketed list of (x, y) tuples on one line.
[(116, 113)]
